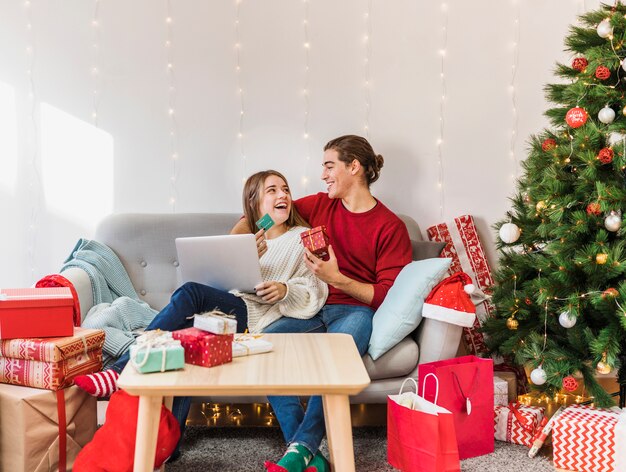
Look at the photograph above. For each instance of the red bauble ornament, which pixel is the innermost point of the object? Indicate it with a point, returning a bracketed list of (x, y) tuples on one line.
[(606, 155), (570, 383), (610, 292), (594, 209), (580, 64), (603, 72), (548, 144), (528, 301), (576, 117)]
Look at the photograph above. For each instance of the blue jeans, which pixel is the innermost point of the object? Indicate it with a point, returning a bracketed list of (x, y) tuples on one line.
[(307, 427), (189, 299)]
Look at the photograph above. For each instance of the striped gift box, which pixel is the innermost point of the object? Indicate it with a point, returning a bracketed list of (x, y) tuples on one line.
[(51, 363), (584, 439)]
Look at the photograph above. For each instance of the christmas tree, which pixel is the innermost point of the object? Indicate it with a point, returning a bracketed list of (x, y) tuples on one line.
[(560, 291)]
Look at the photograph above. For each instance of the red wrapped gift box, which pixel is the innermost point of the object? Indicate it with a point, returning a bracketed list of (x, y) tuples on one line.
[(51, 363), (517, 424), (36, 312), (590, 439), (204, 348), (316, 241)]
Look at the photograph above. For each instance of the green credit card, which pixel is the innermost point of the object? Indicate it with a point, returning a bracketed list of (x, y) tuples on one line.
[(266, 222)]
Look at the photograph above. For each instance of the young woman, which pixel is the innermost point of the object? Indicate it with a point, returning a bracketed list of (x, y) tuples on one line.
[(288, 287)]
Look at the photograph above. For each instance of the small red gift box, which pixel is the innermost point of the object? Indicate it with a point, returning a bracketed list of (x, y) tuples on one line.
[(203, 348), (316, 241), (51, 363), (36, 312), (516, 423)]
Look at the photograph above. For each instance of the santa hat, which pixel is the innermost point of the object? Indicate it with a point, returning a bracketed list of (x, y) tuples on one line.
[(450, 301)]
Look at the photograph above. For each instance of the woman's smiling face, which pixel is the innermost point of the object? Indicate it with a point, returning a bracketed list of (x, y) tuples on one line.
[(275, 199)]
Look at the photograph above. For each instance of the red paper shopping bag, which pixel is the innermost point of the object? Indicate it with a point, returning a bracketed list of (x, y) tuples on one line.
[(420, 434), (466, 389)]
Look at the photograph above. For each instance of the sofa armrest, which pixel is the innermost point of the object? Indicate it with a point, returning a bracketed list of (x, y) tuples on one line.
[(82, 284), (438, 340)]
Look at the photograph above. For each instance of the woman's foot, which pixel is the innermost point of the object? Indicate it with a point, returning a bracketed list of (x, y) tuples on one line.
[(295, 459), (318, 464), (100, 384)]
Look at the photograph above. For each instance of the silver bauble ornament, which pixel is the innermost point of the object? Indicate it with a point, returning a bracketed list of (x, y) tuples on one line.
[(509, 233), (604, 28), (567, 320), (613, 221), (606, 115), (615, 138), (538, 376)]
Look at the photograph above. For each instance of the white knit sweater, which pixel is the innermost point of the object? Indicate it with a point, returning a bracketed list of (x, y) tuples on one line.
[(283, 262)]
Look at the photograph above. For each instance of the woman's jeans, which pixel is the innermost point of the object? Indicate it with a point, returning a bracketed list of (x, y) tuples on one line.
[(308, 427), (190, 299)]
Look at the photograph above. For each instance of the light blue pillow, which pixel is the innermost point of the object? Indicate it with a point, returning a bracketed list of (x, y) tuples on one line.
[(401, 310)]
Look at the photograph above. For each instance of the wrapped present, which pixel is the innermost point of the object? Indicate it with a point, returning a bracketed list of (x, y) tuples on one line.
[(246, 345), (205, 349), (590, 439), (511, 380), (157, 351), (500, 392), (468, 255), (32, 438), (216, 322), (517, 423), (51, 363), (36, 312), (316, 241)]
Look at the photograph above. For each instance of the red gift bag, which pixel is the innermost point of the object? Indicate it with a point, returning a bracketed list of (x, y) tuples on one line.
[(467, 391), (420, 434)]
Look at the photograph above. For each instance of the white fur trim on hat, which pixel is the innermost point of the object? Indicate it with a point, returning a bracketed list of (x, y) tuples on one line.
[(449, 315)]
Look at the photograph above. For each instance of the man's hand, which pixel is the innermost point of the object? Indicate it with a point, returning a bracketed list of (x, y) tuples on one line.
[(271, 292), (326, 271), (261, 243)]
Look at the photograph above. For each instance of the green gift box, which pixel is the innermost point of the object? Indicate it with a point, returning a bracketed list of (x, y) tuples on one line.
[(157, 359)]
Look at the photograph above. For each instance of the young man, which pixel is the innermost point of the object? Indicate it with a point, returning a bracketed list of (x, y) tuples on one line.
[(369, 245)]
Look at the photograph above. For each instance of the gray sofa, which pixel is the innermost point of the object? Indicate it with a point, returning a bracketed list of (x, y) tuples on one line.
[(145, 245)]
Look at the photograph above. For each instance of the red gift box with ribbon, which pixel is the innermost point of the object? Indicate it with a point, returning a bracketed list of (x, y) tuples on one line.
[(51, 363), (203, 348), (316, 241), (517, 424)]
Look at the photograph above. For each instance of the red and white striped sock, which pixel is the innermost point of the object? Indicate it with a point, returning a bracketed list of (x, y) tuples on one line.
[(100, 384)]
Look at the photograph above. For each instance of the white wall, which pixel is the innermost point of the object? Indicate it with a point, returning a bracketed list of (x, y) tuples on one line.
[(60, 173)]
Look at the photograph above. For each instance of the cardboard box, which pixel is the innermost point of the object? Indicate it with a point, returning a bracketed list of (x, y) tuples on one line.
[(205, 349), (36, 312), (29, 427), (51, 363)]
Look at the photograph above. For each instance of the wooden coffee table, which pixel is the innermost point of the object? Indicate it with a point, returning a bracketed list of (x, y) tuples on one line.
[(300, 364)]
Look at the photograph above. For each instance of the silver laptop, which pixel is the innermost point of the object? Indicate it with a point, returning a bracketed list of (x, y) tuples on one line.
[(224, 262)]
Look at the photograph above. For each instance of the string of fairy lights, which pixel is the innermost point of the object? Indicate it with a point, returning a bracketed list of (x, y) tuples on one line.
[(306, 95), (34, 186), (240, 136), (95, 54), (442, 105), (171, 110), (367, 39), (514, 67)]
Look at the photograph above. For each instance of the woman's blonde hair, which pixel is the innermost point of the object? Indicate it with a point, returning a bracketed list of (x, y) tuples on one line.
[(252, 191)]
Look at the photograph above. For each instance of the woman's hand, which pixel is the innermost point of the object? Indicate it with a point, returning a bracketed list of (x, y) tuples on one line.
[(261, 243), (271, 292)]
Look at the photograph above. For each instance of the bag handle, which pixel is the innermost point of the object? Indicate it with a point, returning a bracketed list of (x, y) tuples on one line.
[(436, 386), (405, 381)]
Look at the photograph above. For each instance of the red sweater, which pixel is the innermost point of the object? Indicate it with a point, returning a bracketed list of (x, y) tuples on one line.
[(371, 247)]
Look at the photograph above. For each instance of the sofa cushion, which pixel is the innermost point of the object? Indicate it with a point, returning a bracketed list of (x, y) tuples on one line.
[(401, 311), (399, 361), (426, 249)]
